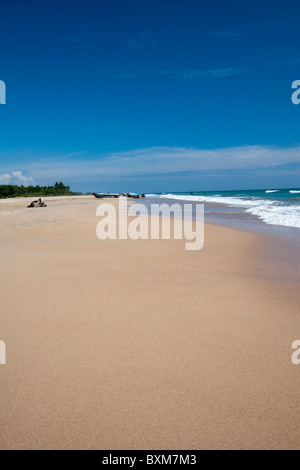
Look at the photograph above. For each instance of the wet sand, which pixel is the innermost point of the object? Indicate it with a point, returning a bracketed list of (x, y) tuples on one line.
[(124, 344)]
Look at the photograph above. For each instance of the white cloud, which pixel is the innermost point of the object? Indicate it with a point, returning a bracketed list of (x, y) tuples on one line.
[(5, 179), (16, 177), (164, 161)]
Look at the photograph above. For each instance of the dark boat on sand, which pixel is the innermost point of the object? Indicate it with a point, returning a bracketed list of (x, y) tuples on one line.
[(116, 195), (134, 195), (105, 195)]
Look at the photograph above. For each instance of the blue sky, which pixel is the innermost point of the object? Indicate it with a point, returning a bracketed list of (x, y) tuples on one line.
[(128, 95)]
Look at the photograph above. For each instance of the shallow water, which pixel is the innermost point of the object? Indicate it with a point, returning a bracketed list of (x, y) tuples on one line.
[(273, 207)]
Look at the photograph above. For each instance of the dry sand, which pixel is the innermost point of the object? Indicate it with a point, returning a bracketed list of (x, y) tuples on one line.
[(141, 344)]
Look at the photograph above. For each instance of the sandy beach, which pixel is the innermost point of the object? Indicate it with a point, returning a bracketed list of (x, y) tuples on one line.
[(124, 344)]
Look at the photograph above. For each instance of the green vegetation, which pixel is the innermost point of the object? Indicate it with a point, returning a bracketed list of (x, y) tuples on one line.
[(59, 189)]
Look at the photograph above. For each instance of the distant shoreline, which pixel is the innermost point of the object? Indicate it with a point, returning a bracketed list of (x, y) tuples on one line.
[(53, 198)]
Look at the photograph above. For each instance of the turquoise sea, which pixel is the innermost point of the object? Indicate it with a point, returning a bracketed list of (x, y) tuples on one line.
[(272, 206)]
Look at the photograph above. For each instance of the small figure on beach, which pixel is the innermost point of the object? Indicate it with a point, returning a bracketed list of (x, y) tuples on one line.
[(37, 203)]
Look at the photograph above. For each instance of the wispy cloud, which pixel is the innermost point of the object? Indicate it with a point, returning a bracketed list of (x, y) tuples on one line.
[(76, 40), (144, 40), (295, 61), (244, 30), (204, 74), (16, 177), (162, 162), (226, 35), (264, 25), (181, 75), (71, 39)]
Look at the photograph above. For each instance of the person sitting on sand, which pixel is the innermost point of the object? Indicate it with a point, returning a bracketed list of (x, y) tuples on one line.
[(38, 203)]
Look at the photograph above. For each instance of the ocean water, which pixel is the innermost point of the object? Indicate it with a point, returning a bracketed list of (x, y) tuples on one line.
[(277, 207)]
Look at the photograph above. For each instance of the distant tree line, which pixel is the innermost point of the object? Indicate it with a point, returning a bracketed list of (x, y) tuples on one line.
[(59, 189)]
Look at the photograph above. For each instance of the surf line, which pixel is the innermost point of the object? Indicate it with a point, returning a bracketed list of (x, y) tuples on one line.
[(111, 460)]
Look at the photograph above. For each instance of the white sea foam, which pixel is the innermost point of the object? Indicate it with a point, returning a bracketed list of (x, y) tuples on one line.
[(288, 216), (295, 192), (272, 191), (271, 212)]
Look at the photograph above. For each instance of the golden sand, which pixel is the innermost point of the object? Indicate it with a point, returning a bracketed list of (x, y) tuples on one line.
[(141, 344)]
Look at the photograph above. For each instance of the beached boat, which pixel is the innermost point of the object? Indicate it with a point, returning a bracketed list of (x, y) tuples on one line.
[(105, 195), (134, 195)]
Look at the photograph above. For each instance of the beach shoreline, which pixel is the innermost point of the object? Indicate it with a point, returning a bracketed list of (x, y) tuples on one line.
[(123, 344)]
